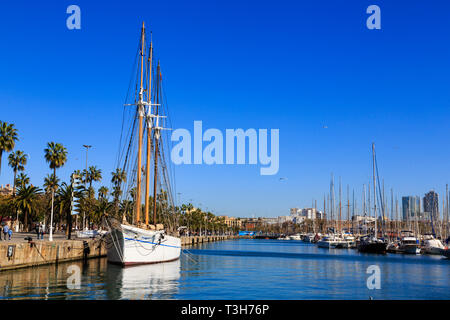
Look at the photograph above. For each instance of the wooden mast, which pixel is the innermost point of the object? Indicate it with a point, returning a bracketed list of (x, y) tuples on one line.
[(155, 177), (141, 114), (149, 134)]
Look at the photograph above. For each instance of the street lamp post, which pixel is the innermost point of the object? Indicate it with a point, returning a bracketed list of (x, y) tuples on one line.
[(85, 180)]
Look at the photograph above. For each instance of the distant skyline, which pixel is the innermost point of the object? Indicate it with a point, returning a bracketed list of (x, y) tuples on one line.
[(311, 69)]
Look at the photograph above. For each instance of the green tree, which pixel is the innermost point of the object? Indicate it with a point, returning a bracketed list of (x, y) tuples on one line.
[(118, 177), (56, 156), (17, 161), (103, 193), (64, 200), (51, 183), (26, 200), (93, 174), (8, 138), (22, 180)]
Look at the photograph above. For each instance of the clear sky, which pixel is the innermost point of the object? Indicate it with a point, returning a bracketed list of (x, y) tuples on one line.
[(311, 69)]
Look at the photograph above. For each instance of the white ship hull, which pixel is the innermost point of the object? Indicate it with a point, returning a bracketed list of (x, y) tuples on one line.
[(133, 246)]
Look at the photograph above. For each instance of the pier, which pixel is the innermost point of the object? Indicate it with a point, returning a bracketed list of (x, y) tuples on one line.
[(193, 240), (23, 254), (14, 255)]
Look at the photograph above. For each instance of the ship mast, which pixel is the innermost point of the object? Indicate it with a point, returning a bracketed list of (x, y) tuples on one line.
[(149, 133), (141, 115), (374, 190), (157, 134)]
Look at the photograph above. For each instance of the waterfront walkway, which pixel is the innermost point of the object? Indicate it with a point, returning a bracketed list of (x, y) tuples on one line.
[(20, 237)]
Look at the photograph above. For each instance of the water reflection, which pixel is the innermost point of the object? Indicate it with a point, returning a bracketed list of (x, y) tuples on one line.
[(242, 269), (152, 281)]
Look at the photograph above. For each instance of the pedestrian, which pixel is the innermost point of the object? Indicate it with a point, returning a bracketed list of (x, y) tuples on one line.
[(41, 231), (9, 234), (37, 229), (5, 230)]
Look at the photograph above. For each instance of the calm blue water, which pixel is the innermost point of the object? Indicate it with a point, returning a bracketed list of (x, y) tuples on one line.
[(241, 269)]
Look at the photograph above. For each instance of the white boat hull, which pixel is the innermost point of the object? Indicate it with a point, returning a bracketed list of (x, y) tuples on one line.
[(410, 249), (133, 246), (433, 250)]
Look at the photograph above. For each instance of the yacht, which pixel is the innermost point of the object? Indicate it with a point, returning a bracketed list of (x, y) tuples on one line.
[(369, 244), (409, 243), (350, 241), (329, 241), (432, 245), (296, 236)]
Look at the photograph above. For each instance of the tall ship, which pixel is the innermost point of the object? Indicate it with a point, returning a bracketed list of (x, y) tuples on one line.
[(132, 238)]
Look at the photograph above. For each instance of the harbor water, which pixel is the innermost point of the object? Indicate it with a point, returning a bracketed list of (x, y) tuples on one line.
[(240, 269)]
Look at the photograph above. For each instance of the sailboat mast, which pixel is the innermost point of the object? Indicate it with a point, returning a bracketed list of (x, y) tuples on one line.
[(141, 115), (149, 134), (340, 206), (155, 176), (348, 208), (374, 190)]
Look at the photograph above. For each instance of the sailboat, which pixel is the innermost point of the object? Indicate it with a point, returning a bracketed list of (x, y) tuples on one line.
[(371, 244), (140, 242)]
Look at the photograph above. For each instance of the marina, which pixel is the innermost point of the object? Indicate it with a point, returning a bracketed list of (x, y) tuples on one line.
[(224, 151)]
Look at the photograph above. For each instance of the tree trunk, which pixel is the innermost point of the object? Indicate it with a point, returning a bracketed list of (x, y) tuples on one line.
[(14, 183), (1, 153), (26, 220), (69, 225)]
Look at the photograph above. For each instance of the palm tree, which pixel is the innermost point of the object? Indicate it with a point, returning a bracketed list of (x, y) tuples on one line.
[(8, 138), (103, 193), (17, 161), (56, 156), (22, 180), (100, 210), (25, 201), (118, 177), (51, 183), (93, 174), (64, 199)]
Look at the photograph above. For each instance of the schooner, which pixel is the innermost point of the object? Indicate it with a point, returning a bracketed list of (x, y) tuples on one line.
[(140, 241)]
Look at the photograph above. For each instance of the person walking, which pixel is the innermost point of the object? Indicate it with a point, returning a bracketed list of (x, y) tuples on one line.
[(41, 231), (9, 234), (36, 228), (5, 230)]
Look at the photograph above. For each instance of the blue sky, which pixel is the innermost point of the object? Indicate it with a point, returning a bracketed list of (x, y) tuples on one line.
[(296, 66)]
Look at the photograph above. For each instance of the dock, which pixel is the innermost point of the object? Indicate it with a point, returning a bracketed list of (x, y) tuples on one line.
[(23, 254)]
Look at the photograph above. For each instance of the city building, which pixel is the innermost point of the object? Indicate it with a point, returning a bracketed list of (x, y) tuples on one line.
[(250, 223), (232, 222), (411, 208), (270, 221), (283, 219), (6, 190), (431, 205)]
